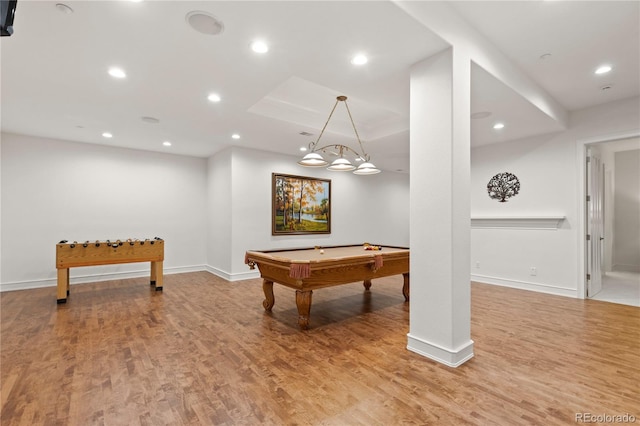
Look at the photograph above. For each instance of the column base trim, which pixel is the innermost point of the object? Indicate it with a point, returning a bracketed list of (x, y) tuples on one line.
[(450, 357)]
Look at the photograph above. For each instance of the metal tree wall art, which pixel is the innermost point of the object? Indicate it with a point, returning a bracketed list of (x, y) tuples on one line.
[(503, 186)]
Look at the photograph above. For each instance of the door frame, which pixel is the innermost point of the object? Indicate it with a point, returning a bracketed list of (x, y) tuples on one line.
[(581, 151), (594, 220)]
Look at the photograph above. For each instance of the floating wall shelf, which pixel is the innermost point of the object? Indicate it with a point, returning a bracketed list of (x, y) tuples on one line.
[(517, 222)]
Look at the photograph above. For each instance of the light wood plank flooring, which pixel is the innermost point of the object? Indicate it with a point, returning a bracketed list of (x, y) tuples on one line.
[(204, 352)]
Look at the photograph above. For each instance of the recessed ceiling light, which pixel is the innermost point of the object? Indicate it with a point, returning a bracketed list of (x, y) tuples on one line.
[(359, 59), (259, 46), (603, 69), (214, 97), (235, 136), (107, 135), (166, 143), (480, 114), (303, 148), (498, 126), (117, 72), (204, 22), (64, 8)]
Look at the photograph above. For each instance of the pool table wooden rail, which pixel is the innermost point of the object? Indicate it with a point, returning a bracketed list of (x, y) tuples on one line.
[(311, 270)]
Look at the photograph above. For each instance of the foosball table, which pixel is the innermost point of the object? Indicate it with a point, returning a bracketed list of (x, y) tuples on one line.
[(95, 253)]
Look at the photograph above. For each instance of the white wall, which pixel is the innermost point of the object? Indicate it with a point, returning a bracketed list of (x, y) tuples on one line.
[(209, 212), (54, 190), (506, 255), (626, 246), (551, 179), (363, 208), (219, 214), (608, 151)]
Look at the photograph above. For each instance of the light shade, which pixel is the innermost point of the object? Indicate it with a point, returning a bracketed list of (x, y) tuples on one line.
[(341, 165), (313, 159), (366, 169)]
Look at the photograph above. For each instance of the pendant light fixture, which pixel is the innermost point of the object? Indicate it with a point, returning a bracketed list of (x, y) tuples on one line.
[(342, 164)]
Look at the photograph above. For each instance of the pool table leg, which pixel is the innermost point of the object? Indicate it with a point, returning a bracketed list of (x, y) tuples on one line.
[(405, 286), (269, 301), (303, 301), (366, 284)]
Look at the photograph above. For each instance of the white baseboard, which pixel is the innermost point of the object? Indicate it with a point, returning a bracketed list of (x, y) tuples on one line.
[(525, 285), (249, 275), (92, 278), (451, 357), (618, 267)]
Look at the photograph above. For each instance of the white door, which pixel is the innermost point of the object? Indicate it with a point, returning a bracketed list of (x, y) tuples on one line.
[(595, 223)]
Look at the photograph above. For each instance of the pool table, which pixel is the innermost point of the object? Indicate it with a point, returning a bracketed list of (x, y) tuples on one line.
[(307, 269)]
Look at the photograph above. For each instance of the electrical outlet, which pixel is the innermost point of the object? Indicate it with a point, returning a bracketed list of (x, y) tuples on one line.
[(533, 271), (478, 265)]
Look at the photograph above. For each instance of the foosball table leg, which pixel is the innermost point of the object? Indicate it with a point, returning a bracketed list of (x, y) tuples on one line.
[(63, 285), (156, 274)]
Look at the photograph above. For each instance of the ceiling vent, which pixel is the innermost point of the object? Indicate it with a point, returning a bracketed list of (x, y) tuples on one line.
[(204, 22), (150, 120), (481, 114)]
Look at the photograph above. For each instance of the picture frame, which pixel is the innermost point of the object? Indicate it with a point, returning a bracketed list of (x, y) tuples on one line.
[(300, 205)]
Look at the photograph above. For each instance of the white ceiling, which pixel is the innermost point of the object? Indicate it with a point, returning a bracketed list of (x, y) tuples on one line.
[(55, 82)]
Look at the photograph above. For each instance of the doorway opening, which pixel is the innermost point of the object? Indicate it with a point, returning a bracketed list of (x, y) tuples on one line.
[(612, 221)]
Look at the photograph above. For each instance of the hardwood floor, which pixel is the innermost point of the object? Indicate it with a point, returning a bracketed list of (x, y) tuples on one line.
[(204, 352)]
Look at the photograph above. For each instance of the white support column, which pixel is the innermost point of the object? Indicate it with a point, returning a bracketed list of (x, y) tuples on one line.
[(440, 307)]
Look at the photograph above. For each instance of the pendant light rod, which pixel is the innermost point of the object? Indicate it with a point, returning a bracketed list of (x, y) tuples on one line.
[(354, 127), (313, 145)]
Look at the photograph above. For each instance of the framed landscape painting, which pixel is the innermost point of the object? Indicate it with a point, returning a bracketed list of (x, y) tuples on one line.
[(300, 205)]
